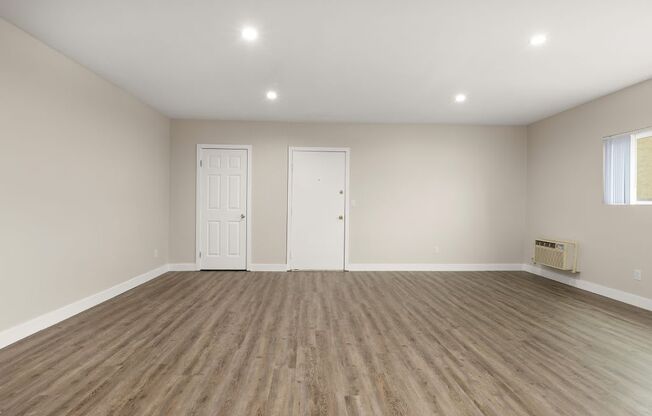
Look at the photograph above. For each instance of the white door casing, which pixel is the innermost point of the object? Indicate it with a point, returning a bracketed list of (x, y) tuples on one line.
[(223, 194), (317, 208)]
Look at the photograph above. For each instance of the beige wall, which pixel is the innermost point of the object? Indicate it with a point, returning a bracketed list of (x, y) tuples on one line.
[(565, 190), (84, 181), (461, 188)]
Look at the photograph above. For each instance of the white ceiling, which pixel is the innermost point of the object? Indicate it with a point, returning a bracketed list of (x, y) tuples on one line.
[(353, 60)]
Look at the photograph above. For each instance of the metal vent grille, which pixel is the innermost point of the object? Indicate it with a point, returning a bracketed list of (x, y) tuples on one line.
[(556, 253)]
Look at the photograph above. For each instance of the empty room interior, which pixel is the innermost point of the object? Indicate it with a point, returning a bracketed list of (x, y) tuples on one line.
[(220, 207)]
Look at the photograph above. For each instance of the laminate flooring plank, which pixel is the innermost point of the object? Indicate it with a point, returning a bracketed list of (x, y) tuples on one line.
[(335, 343)]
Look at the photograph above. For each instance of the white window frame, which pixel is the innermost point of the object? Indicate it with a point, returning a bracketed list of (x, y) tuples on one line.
[(633, 174)]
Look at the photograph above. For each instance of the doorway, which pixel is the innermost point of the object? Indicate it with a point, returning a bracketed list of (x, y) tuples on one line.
[(223, 234), (318, 194)]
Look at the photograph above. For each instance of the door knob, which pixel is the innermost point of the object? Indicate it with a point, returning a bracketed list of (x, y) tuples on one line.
[(341, 217), (242, 216)]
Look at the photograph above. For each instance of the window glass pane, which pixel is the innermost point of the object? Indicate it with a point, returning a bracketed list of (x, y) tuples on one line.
[(644, 169)]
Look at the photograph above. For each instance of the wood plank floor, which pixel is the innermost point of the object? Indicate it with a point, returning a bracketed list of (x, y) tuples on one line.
[(362, 343)]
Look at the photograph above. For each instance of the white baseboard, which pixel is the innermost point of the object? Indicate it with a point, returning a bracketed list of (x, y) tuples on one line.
[(256, 267), (598, 289), (426, 267), (259, 267), (20, 331), (403, 267), (278, 267), (182, 267)]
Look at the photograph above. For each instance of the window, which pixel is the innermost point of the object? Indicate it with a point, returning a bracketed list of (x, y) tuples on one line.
[(628, 169)]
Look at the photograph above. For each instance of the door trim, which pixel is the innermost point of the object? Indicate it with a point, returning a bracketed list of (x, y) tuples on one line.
[(249, 150), (347, 158)]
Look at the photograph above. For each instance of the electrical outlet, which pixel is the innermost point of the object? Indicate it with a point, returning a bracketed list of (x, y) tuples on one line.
[(638, 274), (155, 253)]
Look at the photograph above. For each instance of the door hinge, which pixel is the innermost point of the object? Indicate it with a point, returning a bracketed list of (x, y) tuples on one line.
[(201, 163), (200, 254)]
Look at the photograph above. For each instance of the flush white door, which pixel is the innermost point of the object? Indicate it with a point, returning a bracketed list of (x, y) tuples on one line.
[(317, 209), (222, 213)]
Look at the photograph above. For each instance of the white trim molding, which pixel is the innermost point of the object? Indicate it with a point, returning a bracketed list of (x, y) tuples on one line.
[(20, 331), (259, 267), (615, 294), (434, 267), (254, 267), (278, 267)]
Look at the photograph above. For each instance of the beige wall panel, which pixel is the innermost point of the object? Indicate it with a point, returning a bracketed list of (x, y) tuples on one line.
[(415, 187), (84, 181)]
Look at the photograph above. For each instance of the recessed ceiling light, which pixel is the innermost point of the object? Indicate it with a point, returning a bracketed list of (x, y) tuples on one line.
[(538, 40), (460, 98), (271, 95), (249, 33)]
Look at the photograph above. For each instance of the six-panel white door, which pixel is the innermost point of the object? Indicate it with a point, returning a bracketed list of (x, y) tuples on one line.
[(223, 209), (317, 209)]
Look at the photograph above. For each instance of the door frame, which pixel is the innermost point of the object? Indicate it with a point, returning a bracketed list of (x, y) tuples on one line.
[(198, 191), (347, 158)]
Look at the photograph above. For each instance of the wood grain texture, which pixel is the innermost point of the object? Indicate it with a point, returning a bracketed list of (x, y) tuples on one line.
[(328, 343)]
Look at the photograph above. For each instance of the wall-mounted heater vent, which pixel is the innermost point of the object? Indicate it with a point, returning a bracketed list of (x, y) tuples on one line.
[(559, 254)]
